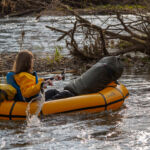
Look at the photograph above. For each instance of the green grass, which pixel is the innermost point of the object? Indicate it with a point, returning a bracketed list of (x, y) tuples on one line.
[(120, 7)]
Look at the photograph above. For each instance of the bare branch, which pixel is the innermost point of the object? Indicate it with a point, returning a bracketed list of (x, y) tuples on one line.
[(128, 30), (55, 29)]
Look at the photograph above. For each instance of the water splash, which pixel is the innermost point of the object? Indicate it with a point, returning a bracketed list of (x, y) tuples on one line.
[(32, 119), (3, 143)]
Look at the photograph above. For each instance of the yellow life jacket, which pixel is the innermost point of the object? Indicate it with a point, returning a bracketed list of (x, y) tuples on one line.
[(7, 92), (27, 84)]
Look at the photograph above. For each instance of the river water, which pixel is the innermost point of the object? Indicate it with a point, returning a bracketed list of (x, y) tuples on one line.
[(125, 129), (37, 37)]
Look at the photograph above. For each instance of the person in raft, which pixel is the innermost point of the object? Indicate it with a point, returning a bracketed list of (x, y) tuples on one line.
[(27, 83)]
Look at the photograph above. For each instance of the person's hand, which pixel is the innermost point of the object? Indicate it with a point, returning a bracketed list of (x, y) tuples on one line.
[(57, 77), (47, 82)]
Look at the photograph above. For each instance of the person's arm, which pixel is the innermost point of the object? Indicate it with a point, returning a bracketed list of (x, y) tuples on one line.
[(29, 89)]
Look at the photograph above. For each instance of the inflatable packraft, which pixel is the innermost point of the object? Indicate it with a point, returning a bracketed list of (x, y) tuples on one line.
[(110, 98)]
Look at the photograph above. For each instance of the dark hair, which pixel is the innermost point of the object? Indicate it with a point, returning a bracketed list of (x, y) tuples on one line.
[(23, 62)]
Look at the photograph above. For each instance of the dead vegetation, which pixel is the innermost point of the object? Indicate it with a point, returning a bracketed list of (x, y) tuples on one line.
[(22, 7), (13, 8), (95, 42)]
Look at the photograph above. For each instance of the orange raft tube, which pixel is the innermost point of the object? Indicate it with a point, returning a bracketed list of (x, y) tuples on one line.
[(110, 98)]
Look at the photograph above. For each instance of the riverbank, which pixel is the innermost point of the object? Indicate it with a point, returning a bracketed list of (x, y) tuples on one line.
[(92, 10), (44, 62), (97, 10)]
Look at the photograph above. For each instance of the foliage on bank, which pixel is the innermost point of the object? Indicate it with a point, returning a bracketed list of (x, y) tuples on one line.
[(24, 7)]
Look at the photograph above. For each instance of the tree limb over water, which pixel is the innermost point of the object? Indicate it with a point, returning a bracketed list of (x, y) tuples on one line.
[(96, 39)]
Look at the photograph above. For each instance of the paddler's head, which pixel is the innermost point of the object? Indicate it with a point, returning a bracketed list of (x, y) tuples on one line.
[(24, 62)]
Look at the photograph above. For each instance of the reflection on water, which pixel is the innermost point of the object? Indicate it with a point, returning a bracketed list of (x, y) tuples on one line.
[(37, 36), (128, 128)]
